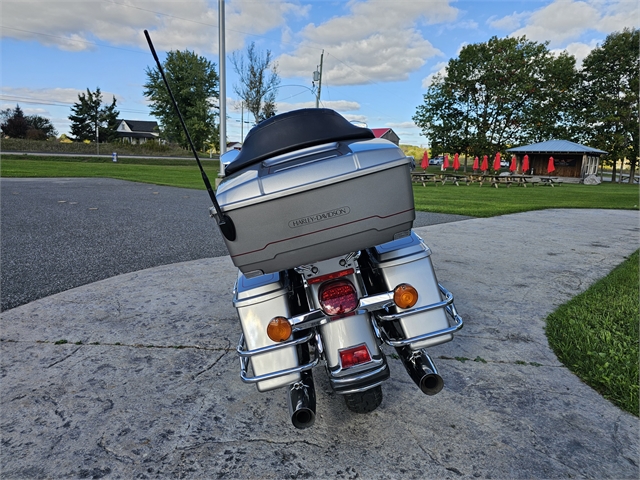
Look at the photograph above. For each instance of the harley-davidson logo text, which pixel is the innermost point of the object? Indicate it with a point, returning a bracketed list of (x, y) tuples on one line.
[(319, 217)]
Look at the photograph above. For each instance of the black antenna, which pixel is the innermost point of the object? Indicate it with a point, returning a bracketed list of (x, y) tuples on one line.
[(224, 222)]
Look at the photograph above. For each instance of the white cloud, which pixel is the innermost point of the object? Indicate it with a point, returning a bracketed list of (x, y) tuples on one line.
[(48, 96), (173, 25), (578, 50), (402, 125), (337, 105), (440, 68), (374, 42), (510, 22)]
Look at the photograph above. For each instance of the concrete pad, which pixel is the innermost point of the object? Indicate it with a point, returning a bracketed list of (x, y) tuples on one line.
[(147, 384)]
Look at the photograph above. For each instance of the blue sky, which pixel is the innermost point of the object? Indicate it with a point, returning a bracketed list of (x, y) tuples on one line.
[(379, 55)]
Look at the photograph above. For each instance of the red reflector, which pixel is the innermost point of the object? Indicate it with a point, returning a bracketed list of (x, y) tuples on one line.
[(330, 276), (354, 356), (338, 297)]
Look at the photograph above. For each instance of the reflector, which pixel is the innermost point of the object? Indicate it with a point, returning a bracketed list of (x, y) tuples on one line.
[(338, 297), (354, 356), (279, 329), (405, 296)]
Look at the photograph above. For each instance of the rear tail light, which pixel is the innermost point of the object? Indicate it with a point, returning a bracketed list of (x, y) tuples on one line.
[(338, 297), (354, 356)]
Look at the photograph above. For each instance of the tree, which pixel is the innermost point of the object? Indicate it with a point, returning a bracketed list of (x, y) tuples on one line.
[(610, 97), (194, 83), (259, 81), (40, 128), (497, 94), (14, 123), (89, 116)]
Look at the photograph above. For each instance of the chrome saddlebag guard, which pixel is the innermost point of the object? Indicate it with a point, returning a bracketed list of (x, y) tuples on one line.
[(427, 323)]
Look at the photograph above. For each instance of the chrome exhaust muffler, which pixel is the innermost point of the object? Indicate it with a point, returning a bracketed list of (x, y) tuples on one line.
[(302, 401), (421, 369)]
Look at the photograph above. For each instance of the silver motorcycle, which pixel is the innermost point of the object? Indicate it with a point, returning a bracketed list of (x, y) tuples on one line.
[(317, 216), (329, 268)]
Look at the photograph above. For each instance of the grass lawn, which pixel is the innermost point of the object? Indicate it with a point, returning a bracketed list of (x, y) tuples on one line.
[(596, 335), (177, 173)]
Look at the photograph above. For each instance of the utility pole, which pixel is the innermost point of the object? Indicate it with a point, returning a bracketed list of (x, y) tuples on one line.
[(223, 85), (317, 77)]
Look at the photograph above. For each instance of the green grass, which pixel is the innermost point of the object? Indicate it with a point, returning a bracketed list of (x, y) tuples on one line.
[(487, 201), (596, 335), (177, 173)]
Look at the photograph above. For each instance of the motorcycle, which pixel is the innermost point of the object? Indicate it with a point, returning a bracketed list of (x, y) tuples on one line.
[(329, 268), (317, 215)]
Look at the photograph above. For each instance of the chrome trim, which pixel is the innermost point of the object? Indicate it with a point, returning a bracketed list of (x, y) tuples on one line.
[(268, 376), (358, 377), (450, 309), (358, 390), (271, 348)]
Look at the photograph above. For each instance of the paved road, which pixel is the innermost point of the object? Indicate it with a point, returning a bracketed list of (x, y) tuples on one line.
[(59, 234)]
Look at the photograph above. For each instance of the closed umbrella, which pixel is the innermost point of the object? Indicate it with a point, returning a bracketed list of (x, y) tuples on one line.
[(445, 165), (425, 160), (551, 167), (525, 164), (456, 162), (513, 166), (496, 162), (485, 164), (475, 164)]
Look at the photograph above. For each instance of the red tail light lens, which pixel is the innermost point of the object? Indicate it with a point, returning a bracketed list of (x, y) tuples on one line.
[(338, 297), (354, 356)]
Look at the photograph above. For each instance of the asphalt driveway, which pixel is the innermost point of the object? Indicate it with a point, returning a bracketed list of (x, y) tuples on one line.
[(62, 233)]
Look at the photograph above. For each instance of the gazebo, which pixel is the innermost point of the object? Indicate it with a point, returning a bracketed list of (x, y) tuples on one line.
[(570, 159)]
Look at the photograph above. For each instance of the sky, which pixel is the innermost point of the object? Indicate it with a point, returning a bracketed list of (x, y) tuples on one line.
[(379, 55)]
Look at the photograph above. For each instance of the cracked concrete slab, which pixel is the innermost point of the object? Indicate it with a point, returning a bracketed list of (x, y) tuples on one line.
[(136, 376)]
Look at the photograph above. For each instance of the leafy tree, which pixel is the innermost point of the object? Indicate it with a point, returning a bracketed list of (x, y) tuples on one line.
[(259, 80), (194, 83), (610, 97), (40, 127), (90, 115), (14, 123), (497, 94)]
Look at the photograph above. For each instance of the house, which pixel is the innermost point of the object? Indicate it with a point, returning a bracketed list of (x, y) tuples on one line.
[(387, 134), (138, 131), (570, 159)]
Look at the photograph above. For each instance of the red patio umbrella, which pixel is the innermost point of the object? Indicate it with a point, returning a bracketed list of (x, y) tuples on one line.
[(445, 165), (475, 164), (525, 164), (456, 162), (496, 162), (551, 167), (425, 160), (485, 164), (513, 166)]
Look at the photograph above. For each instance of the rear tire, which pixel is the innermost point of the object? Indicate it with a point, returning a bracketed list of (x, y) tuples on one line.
[(364, 402)]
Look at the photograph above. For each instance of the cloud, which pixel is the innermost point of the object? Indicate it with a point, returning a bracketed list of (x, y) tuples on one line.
[(375, 42), (510, 22), (578, 50), (48, 96), (566, 20), (337, 105), (440, 68), (173, 25)]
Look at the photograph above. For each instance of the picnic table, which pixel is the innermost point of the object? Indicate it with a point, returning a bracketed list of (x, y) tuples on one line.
[(550, 181), (424, 178)]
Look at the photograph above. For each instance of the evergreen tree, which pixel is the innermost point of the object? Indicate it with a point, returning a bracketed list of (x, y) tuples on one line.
[(15, 125), (89, 116)]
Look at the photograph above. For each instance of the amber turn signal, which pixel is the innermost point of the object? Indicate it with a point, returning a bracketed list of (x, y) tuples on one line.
[(405, 296), (279, 329)]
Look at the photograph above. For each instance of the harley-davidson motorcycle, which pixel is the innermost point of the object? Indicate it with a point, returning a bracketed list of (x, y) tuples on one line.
[(317, 215)]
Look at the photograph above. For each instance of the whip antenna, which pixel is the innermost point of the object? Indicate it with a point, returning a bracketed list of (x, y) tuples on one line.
[(224, 222)]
